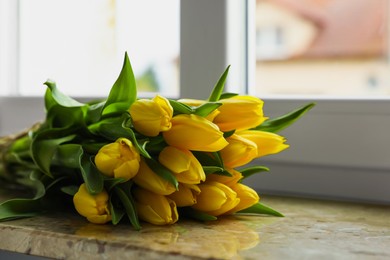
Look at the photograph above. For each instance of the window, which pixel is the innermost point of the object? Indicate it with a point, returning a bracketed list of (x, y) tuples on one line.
[(339, 150), (80, 45)]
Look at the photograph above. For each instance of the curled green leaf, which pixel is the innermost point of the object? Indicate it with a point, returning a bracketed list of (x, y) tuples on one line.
[(253, 170), (205, 109), (219, 87), (129, 205), (260, 208), (280, 123), (124, 91), (180, 108), (195, 214)]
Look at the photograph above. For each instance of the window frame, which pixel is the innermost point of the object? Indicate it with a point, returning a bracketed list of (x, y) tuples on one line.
[(338, 150)]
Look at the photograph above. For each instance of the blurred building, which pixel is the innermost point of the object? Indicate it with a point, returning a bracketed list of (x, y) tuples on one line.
[(322, 47)]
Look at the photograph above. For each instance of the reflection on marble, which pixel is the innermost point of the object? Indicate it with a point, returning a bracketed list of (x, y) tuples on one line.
[(311, 229)]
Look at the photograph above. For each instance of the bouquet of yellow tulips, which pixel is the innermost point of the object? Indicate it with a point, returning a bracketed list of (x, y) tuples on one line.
[(153, 160)]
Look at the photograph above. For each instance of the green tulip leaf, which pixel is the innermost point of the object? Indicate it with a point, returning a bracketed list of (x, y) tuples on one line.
[(94, 112), (280, 123), (227, 95), (116, 213), (110, 183), (65, 117), (22, 208), (124, 91), (70, 189), (91, 175), (229, 133), (129, 205), (218, 159), (58, 97), (219, 87), (206, 108), (207, 159), (195, 214), (92, 147), (253, 170), (260, 208), (212, 169), (180, 108), (44, 147), (163, 172), (68, 155), (223, 173)]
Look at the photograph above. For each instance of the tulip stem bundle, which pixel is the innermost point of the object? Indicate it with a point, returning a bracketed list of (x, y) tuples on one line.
[(153, 160)]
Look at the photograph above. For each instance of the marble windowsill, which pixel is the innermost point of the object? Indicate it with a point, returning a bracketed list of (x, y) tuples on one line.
[(312, 229)]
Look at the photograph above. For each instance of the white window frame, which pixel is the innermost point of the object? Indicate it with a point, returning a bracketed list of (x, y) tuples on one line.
[(339, 150)]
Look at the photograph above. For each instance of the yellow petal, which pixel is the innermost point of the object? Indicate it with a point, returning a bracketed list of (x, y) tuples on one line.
[(186, 195), (210, 198), (227, 180), (150, 117), (192, 132), (155, 208), (149, 180), (240, 151), (183, 164), (267, 143), (248, 197), (240, 113), (119, 159), (93, 207)]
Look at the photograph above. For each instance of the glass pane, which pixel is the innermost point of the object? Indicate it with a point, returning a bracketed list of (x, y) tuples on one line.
[(322, 47), (81, 44)]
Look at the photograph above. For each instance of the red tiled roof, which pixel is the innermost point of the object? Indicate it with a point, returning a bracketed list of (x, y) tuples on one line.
[(346, 28)]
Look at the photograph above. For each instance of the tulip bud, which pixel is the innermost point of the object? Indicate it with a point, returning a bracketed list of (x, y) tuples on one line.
[(266, 142), (248, 197), (239, 113), (150, 117), (155, 208), (240, 151), (193, 132), (183, 164), (118, 160), (149, 180), (93, 207), (215, 198), (186, 195), (227, 180)]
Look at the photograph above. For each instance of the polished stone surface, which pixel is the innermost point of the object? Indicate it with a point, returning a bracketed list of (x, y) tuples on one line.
[(311, 229)]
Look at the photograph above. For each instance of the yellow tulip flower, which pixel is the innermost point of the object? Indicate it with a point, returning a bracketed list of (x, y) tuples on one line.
[(193, 132), (227, 180), (183, 164), (119, 159), (155, 208), (93, 207), (267, 143), (239, 113), (215, 198), (150, 117), (248, 197), (186, 195), (149, 180), (240, 151)]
